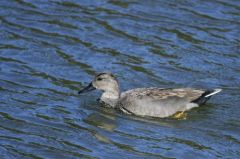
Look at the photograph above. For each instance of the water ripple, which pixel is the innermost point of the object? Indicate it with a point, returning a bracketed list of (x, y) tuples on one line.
[(51, 49)]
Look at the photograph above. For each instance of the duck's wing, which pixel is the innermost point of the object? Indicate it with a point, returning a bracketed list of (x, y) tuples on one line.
[(164, 93), (162, 102)]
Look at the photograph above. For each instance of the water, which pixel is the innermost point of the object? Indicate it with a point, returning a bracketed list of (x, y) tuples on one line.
[(51, 49)]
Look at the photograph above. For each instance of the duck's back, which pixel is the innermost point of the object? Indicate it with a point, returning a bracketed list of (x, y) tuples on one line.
[(158, 102)]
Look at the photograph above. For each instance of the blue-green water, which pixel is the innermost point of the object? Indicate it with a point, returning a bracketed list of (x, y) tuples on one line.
[(51, 49)]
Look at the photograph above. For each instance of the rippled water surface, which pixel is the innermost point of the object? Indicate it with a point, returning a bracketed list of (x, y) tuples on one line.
[(51, 49)]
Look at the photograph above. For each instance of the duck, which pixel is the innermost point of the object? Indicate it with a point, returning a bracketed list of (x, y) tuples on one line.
[(152, 101)]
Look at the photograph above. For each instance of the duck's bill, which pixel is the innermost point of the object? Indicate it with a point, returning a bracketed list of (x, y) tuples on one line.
[(87, 89)]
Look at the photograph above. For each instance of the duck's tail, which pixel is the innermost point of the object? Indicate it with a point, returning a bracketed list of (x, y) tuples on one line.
[(206, 96)]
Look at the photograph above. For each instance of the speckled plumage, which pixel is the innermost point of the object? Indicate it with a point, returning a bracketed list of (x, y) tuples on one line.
[(163, 93)]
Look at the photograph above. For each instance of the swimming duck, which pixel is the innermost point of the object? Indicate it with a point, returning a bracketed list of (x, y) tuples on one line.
[(152, 102)]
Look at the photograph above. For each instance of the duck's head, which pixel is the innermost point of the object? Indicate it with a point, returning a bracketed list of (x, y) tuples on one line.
[(106, 82)]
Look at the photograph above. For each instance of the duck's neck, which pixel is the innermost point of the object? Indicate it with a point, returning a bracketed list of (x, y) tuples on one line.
[(110, 97)]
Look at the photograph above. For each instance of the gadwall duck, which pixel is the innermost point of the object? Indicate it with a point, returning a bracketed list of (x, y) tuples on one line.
[(152, 102)]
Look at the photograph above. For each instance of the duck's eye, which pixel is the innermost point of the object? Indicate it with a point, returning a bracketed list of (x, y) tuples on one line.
[(99, 79)]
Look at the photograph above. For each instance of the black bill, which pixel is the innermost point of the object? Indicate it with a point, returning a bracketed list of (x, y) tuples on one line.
[(87, 89)]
